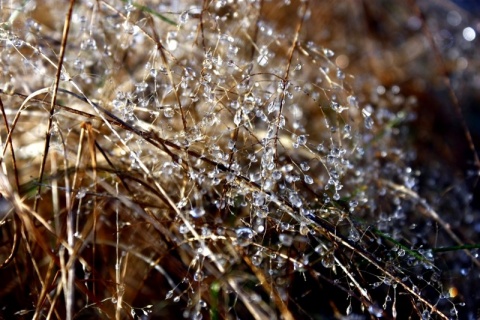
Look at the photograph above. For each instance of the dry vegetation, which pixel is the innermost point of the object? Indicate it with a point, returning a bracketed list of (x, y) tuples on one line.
[(238, 159)]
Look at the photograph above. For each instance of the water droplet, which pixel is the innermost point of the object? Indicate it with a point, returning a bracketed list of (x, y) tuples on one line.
[(172, 42), (354, 235), (308, 179), (258, 198), (141, 87), (244, 236), (425, 315), (319, 249), (277, 174), (197, 212), (375, 310), (262, 59), (79, 65), (295, 199), (304, 166), (169, 294), (183, 229), (328, 53), (286, 239), (183, 17), (368, 123), (238, 117), (302, 140), (453, 312), (328, 260), (81, 193), (199, 275), (257, 259), (349, 310)]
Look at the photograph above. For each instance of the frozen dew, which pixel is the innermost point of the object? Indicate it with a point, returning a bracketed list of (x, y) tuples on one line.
[(244, 236)]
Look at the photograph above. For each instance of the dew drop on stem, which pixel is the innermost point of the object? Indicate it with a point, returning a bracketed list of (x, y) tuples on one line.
[(244, 236)]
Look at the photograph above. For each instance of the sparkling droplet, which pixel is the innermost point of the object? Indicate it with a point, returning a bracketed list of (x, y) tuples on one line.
[(244, 236), (199, 275), (183, 17), (353, 235), (375, 310), (262, 59), (81, 193), (168, 112), (197, 212), (238, 117), (285, 239), (257, 259), (301, 140), (328, 260), (295, 199), (308, 179), (258, 198), (368, 123)]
